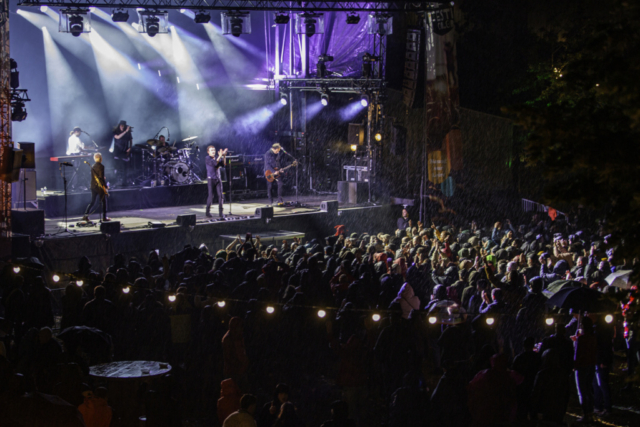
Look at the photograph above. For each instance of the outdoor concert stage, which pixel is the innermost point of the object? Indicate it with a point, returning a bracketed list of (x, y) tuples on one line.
[(60, 250)]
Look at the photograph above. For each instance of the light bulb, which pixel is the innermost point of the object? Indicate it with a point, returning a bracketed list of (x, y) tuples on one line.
[(126, 290), (221, 304), (376, 317), (321, 313), (79, 283), (432, 319), (549, 321), (16, 270), (490, 321), (56, 278), (270, 310), (172, 298), (608, 318)]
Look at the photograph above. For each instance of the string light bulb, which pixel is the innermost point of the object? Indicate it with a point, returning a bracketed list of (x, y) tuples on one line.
[(549, 321), (321, 313), (56, 278), (375, 317), (172, 298), (79, 283), (608, 318), (270, 309), (16, 270), (490, 321), (432, 319), (221, 304), (126, 290)]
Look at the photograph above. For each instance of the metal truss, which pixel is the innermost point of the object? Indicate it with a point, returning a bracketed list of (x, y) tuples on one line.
[(294, 6), (336, 85)]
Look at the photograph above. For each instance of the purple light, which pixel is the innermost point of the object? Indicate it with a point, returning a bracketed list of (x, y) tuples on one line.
[(351, 110)]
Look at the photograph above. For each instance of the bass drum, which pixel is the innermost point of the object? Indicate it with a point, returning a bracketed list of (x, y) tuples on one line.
[(177, 171)]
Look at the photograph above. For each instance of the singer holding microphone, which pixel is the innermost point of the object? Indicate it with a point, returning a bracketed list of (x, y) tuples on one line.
[(98, 189), (213, 174)]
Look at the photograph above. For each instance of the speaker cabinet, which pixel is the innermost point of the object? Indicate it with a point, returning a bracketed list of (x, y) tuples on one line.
[(29, 222), (110, 227), (330, 206), (186, 220), (264, 212)]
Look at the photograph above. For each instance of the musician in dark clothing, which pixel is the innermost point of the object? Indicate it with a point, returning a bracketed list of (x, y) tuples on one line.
[(213, 174), (273, 161), (98, 189), (122, 150)]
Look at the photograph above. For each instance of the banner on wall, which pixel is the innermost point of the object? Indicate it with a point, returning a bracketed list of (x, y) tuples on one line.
[(438, 166)]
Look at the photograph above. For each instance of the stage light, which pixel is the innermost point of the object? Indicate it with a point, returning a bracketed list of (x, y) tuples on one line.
[(309, 23), (284, 99), (321, 313), (236, 23), (120, 15), (282, 18), (270, 309), (16, 270), (321, 71), (549, 321), (432, 320), (375, 317), (608, 318), (15, 74), (153, 22), (490, 321), (378, 136), (364, 100), (221, 304), (79, 283), (75, 21), (354, 147), (202, 17), (126, 290), (172, 298), (380, 23), (324, 99), (353, 18), (18, 112), (44, 8), (55, 278)]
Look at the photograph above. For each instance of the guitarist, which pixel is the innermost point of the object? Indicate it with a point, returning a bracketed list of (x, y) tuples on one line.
[(98, 189), (273, 160), (122, 149)]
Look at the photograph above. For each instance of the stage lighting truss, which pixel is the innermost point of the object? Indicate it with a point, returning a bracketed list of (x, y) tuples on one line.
[(324, 97), (284, 98), (281, 18), (380, 23), (353, 18), (18, 99), (364, 100), (75, 21), (309, 23), (153, 22), (202, 17), (120, 15), (236, 23)]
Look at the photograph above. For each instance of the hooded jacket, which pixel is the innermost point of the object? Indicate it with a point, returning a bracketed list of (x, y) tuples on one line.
[(408, 300)]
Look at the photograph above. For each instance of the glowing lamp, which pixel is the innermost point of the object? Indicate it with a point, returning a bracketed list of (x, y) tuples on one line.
[(432, 319), (321, 313), (378, 136), (549, 321), (490, 321), (270, 309), (79, 283), (376, 317), (16, 270), (172, 298), (56, 278), (608, 318), (126, 290), (221, 304)]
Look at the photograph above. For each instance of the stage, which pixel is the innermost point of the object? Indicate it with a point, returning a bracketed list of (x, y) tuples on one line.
[(60, 250)]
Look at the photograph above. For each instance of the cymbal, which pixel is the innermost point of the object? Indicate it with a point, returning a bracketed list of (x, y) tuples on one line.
[(189, 138), (153, 142)]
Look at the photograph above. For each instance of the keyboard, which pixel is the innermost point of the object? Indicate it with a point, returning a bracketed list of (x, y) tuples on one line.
[(65, 158)]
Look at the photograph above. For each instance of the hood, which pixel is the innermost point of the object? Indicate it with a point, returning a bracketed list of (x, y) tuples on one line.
[(440, 292), (561, 268), (251, 275), (406, 292)]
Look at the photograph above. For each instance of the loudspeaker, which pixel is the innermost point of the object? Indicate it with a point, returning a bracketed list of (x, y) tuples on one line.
[(110, 227), (330, 206), (20, 245), (265, 212), (25, 186), (353, 192), (186, 220), (399, 141), (356, 134), (30, 222), (28, 154)]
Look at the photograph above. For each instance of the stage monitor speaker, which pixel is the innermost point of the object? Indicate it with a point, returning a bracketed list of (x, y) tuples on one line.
[(20, 245), (265, 212), (399, 141), (186, 220), (28, 154), (30, 222), (330, 206), (353, 192), (356, 134), (110, 227)]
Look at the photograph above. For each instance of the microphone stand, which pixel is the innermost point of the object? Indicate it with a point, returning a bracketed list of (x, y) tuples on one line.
[(90, 137), (64, 180), (297, 203)]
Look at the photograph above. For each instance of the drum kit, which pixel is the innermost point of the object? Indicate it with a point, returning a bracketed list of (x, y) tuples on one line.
[(164, 164)]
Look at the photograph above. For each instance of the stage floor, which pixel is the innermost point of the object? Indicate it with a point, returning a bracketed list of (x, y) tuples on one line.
[(137, 219)]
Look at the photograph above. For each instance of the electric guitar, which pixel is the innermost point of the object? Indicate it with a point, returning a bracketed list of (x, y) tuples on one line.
[(272, 176), (104, 188)]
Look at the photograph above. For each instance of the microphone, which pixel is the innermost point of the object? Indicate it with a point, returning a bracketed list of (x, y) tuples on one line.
[(66, 164), (84, 161)]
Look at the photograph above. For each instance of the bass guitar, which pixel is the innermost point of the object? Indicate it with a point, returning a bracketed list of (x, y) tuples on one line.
[(103, 187), (272, 176)]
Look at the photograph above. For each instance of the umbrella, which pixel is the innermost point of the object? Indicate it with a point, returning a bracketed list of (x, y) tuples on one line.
[(93, 342), (619, 279), (582, 299), (558, 285)]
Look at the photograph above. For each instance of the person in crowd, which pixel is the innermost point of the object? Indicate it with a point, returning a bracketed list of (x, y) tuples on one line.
[(584, 364), (244, 416), (271, 410), (95, 410), (230, 399), (551, 389)]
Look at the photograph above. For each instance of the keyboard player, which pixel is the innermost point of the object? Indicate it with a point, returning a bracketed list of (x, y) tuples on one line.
[(75, 145)]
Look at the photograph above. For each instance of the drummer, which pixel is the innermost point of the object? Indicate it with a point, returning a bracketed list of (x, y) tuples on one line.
[(163, 147)]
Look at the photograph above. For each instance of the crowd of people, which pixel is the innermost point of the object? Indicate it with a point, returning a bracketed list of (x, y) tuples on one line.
[(271, 335)]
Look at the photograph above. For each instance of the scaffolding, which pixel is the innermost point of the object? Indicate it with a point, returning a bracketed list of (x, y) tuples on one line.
[(6, 146)]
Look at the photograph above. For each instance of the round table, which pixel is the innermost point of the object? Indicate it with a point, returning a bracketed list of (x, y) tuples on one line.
[(123, 382)]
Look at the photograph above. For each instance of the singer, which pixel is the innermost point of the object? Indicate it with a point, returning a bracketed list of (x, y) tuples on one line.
[(213, 175), (273, 160), (122, 150), (75, 145), (98, 189)]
